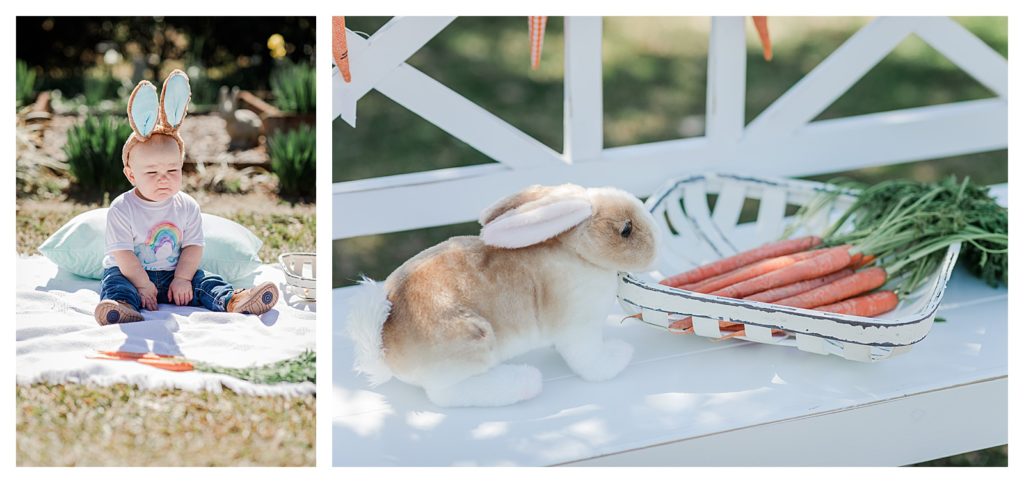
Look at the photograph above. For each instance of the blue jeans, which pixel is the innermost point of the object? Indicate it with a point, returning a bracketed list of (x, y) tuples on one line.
[(208, 290)]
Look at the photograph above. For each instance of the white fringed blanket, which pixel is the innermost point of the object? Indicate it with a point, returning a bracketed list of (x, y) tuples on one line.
[(56, 335)]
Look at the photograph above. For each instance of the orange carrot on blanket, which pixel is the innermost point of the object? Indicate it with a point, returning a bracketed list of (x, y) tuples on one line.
[(831, 260), (770, 250), (842, 289), (159, 361), (868, 305)]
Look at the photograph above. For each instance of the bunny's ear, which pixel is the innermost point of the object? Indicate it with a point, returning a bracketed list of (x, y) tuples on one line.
[(142, 109), (535, 221), (174, 99)]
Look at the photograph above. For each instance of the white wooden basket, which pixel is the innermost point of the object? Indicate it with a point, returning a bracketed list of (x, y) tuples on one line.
[(695, 233), (300, 273)]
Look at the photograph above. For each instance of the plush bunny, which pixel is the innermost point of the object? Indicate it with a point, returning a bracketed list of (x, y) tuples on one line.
[(243, 126), (150, 115), (542, 273)]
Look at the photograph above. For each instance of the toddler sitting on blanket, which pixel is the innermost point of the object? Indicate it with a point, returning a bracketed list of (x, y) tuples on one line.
[(154, 231)]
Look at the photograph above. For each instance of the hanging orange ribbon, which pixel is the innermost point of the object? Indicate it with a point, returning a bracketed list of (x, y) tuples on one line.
[(761, 24), (340, 47), (537, 25)]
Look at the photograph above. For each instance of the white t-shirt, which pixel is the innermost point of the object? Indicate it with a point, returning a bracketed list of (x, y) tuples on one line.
[(155, 231)]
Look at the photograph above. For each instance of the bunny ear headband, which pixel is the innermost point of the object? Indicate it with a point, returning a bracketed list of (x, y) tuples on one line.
[(149, 115)]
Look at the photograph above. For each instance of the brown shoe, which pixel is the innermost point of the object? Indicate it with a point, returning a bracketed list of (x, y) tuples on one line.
[(114, 312), (256, 300)]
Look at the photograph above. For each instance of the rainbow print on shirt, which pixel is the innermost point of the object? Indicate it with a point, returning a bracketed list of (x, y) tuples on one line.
[(161, 248)]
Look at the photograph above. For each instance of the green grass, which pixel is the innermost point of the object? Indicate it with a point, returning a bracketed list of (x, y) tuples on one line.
[(294, 87), (301, 368), (293, 160), (93, 151), (25, 83), (81, 425)]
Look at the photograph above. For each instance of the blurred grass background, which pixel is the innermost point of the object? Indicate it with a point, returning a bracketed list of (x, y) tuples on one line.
[(655, 80)]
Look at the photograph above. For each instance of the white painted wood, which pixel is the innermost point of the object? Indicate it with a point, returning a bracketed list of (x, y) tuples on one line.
[(781, 406), (823, 146), (695, 202), (728, 207), (968, 52), (655, 316), (418, 178), (757, 333), (829, 80), (460, 117), (705, 327), (344, 106), (857, 352), (372, 59), (727, 82), (884, 138), (812, 344), (772, 206), (584, 104), (895, 432)]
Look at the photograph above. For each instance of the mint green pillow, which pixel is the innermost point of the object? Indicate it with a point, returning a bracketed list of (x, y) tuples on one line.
[(231, 250)]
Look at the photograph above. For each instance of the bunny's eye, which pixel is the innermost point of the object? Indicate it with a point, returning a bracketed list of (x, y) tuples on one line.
[(626, 229)]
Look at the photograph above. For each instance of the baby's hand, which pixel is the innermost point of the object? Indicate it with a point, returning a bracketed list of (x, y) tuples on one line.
[(180, 291), (147, 292)]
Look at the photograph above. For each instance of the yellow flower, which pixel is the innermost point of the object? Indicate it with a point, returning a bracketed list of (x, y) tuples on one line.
[(275, 42)]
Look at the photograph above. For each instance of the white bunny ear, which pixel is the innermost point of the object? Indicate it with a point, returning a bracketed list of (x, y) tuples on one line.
[(535, 222), (174, 99), (142, 109)]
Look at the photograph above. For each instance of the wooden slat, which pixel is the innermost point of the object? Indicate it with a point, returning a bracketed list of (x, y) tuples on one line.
[(584, 105), (373, 59), (829, 80), (705, 327), (696, 203), (728, 207), (967, 51), (883, 138), (727, 86), (465, 120), (824, 146), (770, 212), (903, 430)]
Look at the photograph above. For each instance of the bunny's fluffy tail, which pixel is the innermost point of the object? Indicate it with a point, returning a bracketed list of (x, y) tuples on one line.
[(368, 309)]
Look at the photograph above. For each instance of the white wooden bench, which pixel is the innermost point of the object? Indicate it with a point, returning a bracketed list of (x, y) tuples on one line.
[(686, 400)]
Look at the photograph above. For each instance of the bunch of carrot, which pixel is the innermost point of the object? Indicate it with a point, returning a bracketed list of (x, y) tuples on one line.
[(794, 273), (895, 233)]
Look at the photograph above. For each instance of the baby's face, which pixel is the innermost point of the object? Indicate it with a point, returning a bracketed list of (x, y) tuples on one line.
[(154, 167)]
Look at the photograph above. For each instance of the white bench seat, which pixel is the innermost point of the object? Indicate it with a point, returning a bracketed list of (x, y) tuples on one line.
[(687, 400)]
